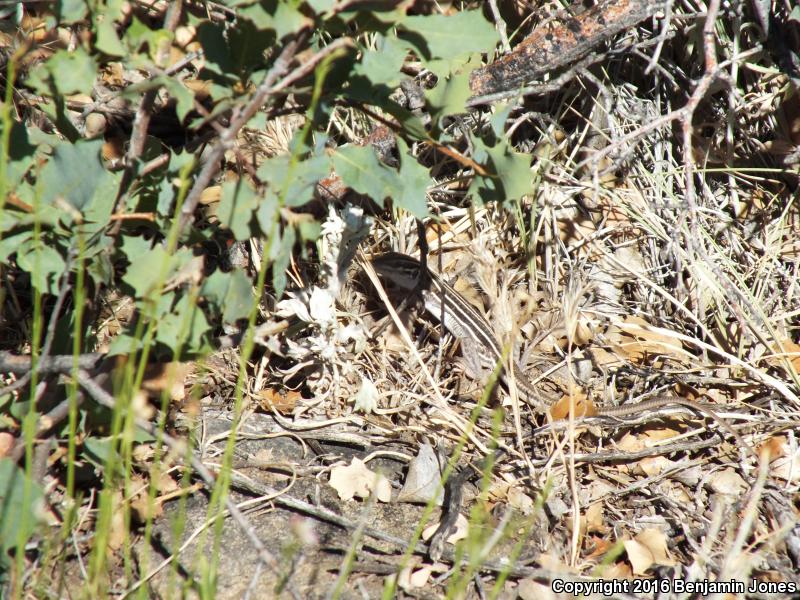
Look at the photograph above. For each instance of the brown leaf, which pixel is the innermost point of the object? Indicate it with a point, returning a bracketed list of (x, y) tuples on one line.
[(117, 533), (270, 399), (594, 518), (639, 556), (656, 543), (356, 479), (636, 339), (584, 407), (727, 481)]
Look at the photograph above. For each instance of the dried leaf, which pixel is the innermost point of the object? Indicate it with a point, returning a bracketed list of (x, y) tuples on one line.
[(357, 480), (727, 481), (639, 556), (520, 501), (270, 399), (528, 589), (654, 465), (117, 532), (636, 339), (422, 480), (583, 407), (656, 542), (594, 518), (600, 546), (171, 376), (6, 443), (460, 532)]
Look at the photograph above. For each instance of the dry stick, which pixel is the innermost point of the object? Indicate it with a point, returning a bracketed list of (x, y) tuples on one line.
[(541, 89), (60, 363), (732, 567), (179, 447), (101, 105), (220, 129), (422, 548), (675, 115), (501, 25), (45, 424), (556, 44), (297, 74), (662, 37)]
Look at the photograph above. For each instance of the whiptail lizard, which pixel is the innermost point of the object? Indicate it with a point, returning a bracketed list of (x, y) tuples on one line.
[(465, 322)]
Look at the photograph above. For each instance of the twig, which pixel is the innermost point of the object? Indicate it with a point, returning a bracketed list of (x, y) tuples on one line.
[(537, 89), (501, 25), (554, 45), (60, 363), (662, 37)]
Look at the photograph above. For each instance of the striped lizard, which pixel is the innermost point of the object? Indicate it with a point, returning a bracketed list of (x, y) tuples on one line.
[(478, 340)]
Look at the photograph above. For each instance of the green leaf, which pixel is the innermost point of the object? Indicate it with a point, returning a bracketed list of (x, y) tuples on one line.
[(231, 293), (21, 152), (134, 247), (72, 71), (281, 254), (236, 207), (411, 193), (268, 214), (138, 35), (145, 272), (142, 274), (97, 212), (21, 505), (439, 36), (184, 98), (450, 94), (44, 264), (360, 169), (124, 344), (101, 269), (510, 172), (184, 328), (382, 65), (98, 451), (74, 173), (292, 180), (107, 39), (321, 6), (233, 53), (310, 230), (69, 11), (499, 118), (283, 17), (11, 243)]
